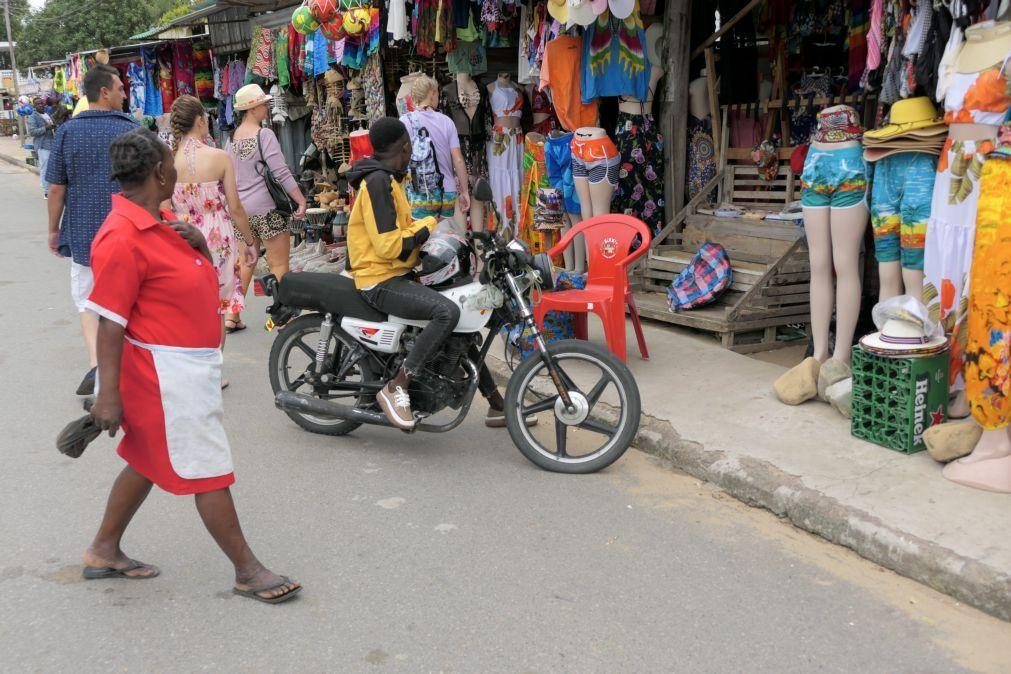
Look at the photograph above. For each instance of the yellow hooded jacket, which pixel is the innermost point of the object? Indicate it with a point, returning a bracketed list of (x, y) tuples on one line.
[(383, 240)]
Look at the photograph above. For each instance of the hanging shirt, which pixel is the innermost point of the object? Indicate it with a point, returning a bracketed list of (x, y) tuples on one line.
[(562, 81), (614, 61), (138, 96)]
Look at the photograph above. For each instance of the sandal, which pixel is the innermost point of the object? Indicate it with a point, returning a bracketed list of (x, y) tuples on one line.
[(97, 572), (232, 325), (253, 593)]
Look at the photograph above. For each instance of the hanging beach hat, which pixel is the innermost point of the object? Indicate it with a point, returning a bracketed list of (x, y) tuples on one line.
[(250, 96), (102, 56), (654, 44), (559, 10), (334, 30), (303, 21), (324, 11), (357, 21), (621, 9), (911, 114), (599, 6), (581, 13)]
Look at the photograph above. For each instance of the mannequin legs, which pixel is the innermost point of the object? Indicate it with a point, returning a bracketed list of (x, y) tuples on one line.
[(847, 229), (819, 243), (896, 281), (834, 237), (890, 276), (913, 281), (593, 200)]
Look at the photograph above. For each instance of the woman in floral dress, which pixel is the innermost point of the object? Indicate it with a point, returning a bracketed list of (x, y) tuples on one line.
[(206, 197)]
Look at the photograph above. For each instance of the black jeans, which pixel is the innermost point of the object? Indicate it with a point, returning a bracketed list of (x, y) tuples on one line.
[(405, 298)]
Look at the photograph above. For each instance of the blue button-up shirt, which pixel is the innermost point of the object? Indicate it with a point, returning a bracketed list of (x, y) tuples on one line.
[(80, 160)]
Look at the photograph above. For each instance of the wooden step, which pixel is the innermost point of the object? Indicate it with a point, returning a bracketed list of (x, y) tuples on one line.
[(765, 229)]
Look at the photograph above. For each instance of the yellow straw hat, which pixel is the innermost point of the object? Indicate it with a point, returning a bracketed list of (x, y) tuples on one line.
[(908, 115)]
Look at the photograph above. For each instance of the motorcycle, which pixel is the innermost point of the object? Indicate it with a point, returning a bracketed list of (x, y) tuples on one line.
[(335, 352)]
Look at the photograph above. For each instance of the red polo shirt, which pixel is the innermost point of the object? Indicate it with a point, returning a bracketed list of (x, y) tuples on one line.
[(149, 280)]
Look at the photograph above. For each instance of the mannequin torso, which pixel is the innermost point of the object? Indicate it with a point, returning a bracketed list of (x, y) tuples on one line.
[(501, 84), (698, 97), (634, 106)]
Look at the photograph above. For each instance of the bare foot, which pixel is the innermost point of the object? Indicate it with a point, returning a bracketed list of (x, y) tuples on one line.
[(266, 584), (116, 561)]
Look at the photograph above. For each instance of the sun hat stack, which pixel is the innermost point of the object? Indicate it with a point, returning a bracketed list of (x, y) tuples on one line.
[(905, 329), (913, 126)]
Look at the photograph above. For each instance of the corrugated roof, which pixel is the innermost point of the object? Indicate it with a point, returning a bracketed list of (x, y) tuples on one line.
[(200, 11)]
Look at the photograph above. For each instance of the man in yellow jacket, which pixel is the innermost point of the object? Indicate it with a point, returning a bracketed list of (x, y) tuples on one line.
[(384, 246), (383, 249)]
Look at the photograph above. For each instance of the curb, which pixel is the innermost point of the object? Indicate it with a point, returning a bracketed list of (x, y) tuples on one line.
[(19, 162), (762, 484)]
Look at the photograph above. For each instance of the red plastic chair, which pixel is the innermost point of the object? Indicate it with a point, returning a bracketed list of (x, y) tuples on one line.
[(608, 239)]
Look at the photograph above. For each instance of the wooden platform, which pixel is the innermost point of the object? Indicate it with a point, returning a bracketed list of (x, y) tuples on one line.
[(769, 259)]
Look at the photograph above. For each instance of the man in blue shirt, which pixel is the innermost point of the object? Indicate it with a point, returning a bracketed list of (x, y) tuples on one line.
[(81, 189)]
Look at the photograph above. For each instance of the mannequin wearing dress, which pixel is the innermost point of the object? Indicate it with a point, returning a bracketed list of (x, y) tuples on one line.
[(640, 190), (984, 55), (505, 154)]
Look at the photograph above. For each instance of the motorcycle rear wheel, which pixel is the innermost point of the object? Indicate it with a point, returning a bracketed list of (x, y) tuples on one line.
[(616, 419), (299, 339)]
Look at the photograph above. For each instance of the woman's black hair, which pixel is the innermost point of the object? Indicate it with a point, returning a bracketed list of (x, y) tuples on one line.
[(134, 156)]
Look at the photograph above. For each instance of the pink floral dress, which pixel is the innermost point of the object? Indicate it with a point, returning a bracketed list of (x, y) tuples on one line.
[(203, 206)]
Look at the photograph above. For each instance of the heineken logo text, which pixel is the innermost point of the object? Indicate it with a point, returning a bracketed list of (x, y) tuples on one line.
[(920, 408)]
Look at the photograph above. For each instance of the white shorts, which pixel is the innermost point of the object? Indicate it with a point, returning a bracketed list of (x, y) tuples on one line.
[(81, 283)]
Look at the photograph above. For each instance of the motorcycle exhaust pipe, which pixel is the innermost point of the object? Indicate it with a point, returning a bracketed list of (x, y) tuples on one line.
[(290, 401)]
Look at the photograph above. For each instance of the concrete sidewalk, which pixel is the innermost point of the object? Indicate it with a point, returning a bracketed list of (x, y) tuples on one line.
[(713, 414), (12, 152)]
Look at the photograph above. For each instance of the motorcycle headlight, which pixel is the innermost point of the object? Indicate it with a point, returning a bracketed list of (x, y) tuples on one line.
[(542, 267)]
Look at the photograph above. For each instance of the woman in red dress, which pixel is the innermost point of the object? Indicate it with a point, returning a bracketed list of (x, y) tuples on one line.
[(159, 366)]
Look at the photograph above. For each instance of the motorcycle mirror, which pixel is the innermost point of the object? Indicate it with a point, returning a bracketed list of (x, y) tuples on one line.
[(482, 191)]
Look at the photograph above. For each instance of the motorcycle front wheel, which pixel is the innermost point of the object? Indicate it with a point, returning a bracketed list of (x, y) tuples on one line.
[(603, 418)]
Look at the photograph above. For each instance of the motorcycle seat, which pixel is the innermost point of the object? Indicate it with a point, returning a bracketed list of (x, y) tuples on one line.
[(326, 293)]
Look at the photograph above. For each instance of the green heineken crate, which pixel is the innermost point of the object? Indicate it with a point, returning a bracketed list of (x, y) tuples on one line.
[(896, 399)]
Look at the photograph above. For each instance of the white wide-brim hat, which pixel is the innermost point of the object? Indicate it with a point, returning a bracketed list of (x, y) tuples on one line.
[(250, 96), (901, 336), (621, 9), (581, 13)]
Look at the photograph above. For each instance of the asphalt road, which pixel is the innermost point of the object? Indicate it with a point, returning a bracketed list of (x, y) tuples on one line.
[(418, 554)]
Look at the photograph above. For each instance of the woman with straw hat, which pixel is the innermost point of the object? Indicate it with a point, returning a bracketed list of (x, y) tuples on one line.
[(249, 141)]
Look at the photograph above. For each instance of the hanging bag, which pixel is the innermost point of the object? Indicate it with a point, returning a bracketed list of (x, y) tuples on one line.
[(426, 178), (283, 203)]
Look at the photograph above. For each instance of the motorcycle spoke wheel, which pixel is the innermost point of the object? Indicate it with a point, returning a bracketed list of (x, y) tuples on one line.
[(598, 425), (292, 368)]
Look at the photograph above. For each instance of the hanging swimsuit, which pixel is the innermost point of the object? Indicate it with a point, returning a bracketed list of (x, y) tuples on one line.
[(469, 128), (506, 102)]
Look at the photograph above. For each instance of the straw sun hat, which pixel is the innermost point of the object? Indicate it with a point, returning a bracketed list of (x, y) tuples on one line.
[(250, 96)]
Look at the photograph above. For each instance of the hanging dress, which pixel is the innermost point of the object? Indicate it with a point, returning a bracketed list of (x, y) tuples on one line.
[(505, 154)]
